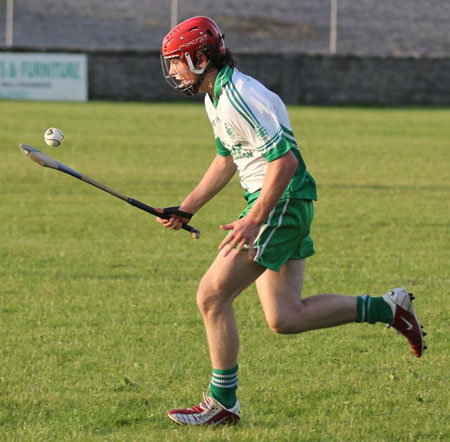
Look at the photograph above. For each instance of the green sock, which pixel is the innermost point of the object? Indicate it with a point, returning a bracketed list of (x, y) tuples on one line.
[(223, 386), (373, 310)]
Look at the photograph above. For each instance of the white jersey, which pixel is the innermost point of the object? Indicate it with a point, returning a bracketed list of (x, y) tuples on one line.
[(251, 123)]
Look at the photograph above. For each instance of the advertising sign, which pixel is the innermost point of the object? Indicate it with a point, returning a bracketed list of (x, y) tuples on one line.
[(43, 76)]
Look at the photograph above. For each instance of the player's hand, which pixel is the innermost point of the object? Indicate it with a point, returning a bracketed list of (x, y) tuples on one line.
[(244, 233), (177, 217)]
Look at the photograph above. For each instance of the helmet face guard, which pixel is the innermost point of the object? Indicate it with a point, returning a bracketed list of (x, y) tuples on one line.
[(182, 43), (176, 80)]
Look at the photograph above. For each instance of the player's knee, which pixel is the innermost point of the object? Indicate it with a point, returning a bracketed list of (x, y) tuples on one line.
[(285, 323), (279, 326), (209, 297)]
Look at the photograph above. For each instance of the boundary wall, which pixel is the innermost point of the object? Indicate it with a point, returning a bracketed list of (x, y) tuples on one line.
[(297, 78)]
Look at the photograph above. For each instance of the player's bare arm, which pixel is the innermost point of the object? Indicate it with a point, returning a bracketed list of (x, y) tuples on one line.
[(218, 175), (214, 180), (245, 230)]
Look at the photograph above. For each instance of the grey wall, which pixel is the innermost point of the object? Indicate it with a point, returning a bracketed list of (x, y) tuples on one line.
[(297, 78), (322, 79)]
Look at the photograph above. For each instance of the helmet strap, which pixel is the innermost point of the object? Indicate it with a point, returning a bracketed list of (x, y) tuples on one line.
[(202, 72), (196, 86), (191, 65)]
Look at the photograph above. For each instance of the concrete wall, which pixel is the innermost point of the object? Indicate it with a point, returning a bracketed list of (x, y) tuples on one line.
[(350, 79), (297, 78), (127, 76)]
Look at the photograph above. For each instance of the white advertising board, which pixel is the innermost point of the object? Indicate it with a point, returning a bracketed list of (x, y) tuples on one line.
[(43, 76)]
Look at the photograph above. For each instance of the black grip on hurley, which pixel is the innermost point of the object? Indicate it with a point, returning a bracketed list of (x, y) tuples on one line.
[(140, 205), (175, 210)]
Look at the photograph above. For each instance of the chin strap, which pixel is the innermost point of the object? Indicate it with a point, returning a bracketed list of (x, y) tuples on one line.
[(193, 89)]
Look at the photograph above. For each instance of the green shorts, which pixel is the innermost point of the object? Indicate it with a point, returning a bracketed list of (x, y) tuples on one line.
[(284, 235)]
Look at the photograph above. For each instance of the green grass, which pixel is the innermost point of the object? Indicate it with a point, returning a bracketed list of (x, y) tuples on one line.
[(99, 331)]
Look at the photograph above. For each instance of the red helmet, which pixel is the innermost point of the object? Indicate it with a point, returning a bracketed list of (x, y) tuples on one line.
[(184, 40)]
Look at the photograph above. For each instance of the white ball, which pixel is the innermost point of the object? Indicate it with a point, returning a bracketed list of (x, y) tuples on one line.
[(53, 137)]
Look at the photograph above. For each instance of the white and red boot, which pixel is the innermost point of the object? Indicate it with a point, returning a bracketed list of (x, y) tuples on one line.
[(208, 412), (405, 319)]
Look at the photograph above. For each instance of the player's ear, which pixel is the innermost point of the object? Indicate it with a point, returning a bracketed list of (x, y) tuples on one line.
[(202, 61)]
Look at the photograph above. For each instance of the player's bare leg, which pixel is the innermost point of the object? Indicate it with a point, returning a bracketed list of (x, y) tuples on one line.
[(285, 310), (224, 280), (220, 285)]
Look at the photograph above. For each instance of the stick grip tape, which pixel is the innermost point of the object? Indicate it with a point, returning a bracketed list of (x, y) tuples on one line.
[(140, 205)]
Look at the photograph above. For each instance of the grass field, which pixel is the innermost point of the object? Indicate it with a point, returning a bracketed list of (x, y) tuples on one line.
[(99, 331)]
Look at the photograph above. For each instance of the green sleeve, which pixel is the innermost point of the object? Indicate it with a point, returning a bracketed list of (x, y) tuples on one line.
[(278, 151), (221, 149)]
